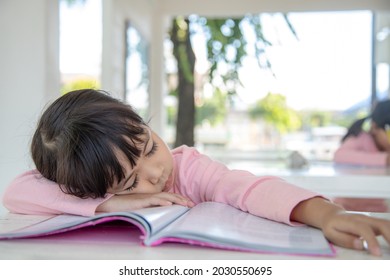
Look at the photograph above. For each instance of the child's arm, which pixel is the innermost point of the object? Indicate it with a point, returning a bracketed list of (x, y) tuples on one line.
[(342, 228), (128, 202), (349, 156), (31, 193), (200, 178), (360, 150)]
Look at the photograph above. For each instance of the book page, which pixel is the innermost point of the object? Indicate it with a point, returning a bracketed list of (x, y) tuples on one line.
[(225, 225), (30, 225), (160, 217), (149, 220), (13, 222)]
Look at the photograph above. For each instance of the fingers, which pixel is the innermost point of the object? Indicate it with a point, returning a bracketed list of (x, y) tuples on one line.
[(165, 199), (355, 231), (372, 227), (384, 230), (353, 241)]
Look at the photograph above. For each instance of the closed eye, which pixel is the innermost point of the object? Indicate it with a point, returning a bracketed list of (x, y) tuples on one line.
[(152, 150), (134, 185)]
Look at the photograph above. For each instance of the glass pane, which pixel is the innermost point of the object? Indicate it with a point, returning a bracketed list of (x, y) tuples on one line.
[(323, 75), (137, 70)]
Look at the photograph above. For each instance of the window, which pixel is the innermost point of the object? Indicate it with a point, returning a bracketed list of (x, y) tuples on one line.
[(136, 70), (324, 74)]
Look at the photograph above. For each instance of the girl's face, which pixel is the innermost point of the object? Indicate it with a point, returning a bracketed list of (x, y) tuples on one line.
[(381, 138), (152, 170)]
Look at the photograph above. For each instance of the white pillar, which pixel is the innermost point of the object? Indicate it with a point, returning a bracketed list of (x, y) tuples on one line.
[(29, 77), (113, 51)]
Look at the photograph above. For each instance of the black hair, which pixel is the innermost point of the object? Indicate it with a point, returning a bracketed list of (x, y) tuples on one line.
[(76, 139), (380, 116)]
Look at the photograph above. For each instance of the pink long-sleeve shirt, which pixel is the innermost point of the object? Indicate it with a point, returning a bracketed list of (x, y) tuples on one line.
[(360, 150), (195, 176)]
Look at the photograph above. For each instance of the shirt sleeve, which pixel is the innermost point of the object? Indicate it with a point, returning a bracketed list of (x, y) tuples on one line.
[(360, 150), (31, 193), (202, 179)]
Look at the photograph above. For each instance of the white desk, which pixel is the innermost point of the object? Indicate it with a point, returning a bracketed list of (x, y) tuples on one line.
[(330, 180), (94, 244)]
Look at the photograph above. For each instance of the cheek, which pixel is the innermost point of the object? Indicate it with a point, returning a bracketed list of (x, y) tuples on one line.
[(165, 152), (168, 159), (144, 187), (383, 141)]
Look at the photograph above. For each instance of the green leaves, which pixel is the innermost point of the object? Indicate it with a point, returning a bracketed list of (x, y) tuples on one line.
[(273, 109)]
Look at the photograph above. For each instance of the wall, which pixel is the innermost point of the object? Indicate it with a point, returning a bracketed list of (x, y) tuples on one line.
[(29, 77)]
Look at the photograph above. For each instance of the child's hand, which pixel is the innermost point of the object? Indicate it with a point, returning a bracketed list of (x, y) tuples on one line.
[(342, 228), (137, 201), (353, 230)]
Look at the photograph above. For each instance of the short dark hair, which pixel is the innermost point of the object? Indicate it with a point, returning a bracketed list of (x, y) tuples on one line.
[(380, 116), (76, 139)]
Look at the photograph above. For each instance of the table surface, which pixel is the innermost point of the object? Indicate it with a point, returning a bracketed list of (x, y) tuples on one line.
[(94, 244), (329, 179)]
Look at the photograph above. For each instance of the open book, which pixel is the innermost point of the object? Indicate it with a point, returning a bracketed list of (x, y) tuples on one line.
[(208, 224)]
